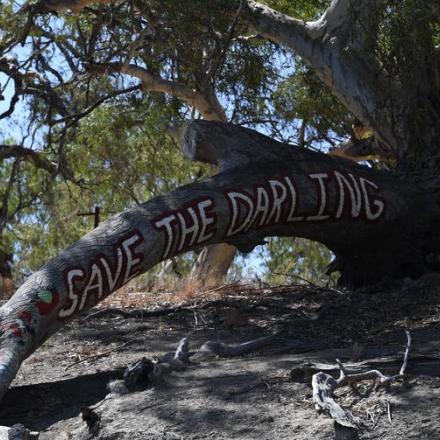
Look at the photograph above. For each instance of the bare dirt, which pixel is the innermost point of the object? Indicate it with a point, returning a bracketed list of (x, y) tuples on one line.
[(262, 395)]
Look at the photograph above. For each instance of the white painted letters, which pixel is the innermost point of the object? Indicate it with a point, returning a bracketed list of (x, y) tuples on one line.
[(71, 295), (102, 277), (234, 199), (322, 197), (380, 205), (185, 227), (355, 195)]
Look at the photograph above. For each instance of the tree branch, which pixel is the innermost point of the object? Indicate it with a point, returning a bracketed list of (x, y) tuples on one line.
[(327, 45), (324, 386), (20, 152), (5, 202), (25, 84), (208, 106), (8, 67), (66, 5), (73, 119), (362, 150)]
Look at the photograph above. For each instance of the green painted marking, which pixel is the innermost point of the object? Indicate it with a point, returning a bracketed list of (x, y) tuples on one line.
[(45, 296)]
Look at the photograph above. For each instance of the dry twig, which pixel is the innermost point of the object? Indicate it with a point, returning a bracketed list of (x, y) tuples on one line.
[(324, 385), (97, 356)]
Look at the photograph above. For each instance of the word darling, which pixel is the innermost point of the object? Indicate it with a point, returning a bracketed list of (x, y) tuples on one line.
[(103, 274), (274, 202)]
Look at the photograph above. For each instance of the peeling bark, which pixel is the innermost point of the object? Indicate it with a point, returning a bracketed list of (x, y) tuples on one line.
[(377, 225)]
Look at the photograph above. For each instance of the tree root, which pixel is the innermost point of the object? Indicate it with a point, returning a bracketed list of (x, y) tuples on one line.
[(324, 385), (217, 348)]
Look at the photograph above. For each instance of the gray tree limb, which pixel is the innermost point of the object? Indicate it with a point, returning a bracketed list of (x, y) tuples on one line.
[(206, 103), (325, 45), (324, 385)]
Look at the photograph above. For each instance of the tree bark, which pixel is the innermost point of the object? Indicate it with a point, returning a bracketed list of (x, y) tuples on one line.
[(6, 283), (377, 225), (331, 46)]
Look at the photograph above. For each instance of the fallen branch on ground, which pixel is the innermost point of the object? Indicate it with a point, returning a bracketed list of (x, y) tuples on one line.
[(217, 348), (146, 372), (324, 385), (136, 313)]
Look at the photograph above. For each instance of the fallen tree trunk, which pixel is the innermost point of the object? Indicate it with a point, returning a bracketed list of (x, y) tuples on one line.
[(377, 226)]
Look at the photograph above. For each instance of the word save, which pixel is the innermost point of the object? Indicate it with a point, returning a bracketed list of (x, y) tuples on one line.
[(103, 275)]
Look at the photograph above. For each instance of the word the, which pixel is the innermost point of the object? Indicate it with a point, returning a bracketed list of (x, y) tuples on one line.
[(102, 276), (191, 225)]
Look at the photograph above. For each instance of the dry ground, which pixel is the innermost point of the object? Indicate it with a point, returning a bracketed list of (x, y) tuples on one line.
[(262, 395)]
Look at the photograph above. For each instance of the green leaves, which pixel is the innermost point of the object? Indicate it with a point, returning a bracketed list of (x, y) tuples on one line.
[(120, 153), (302, 9), (287, 259)]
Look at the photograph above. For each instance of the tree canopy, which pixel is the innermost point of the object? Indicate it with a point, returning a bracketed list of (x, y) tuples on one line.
[(93, 93), (93, 99)]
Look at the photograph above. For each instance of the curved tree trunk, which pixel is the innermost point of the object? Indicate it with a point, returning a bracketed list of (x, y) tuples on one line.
[(376, 224), (212, 264), (404, 116), (337, 47)]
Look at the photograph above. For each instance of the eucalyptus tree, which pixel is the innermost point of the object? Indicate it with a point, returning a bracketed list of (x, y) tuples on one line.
[(380, 59), (142, 59)]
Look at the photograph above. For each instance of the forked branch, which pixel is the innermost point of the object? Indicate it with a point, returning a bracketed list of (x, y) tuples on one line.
[(208, 106), (324, 386), (331, 46)]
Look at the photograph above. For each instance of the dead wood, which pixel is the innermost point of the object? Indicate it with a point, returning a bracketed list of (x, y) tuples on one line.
[(17, 432), (324, 385), (147, 372), (217, 348), (100, 355)]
